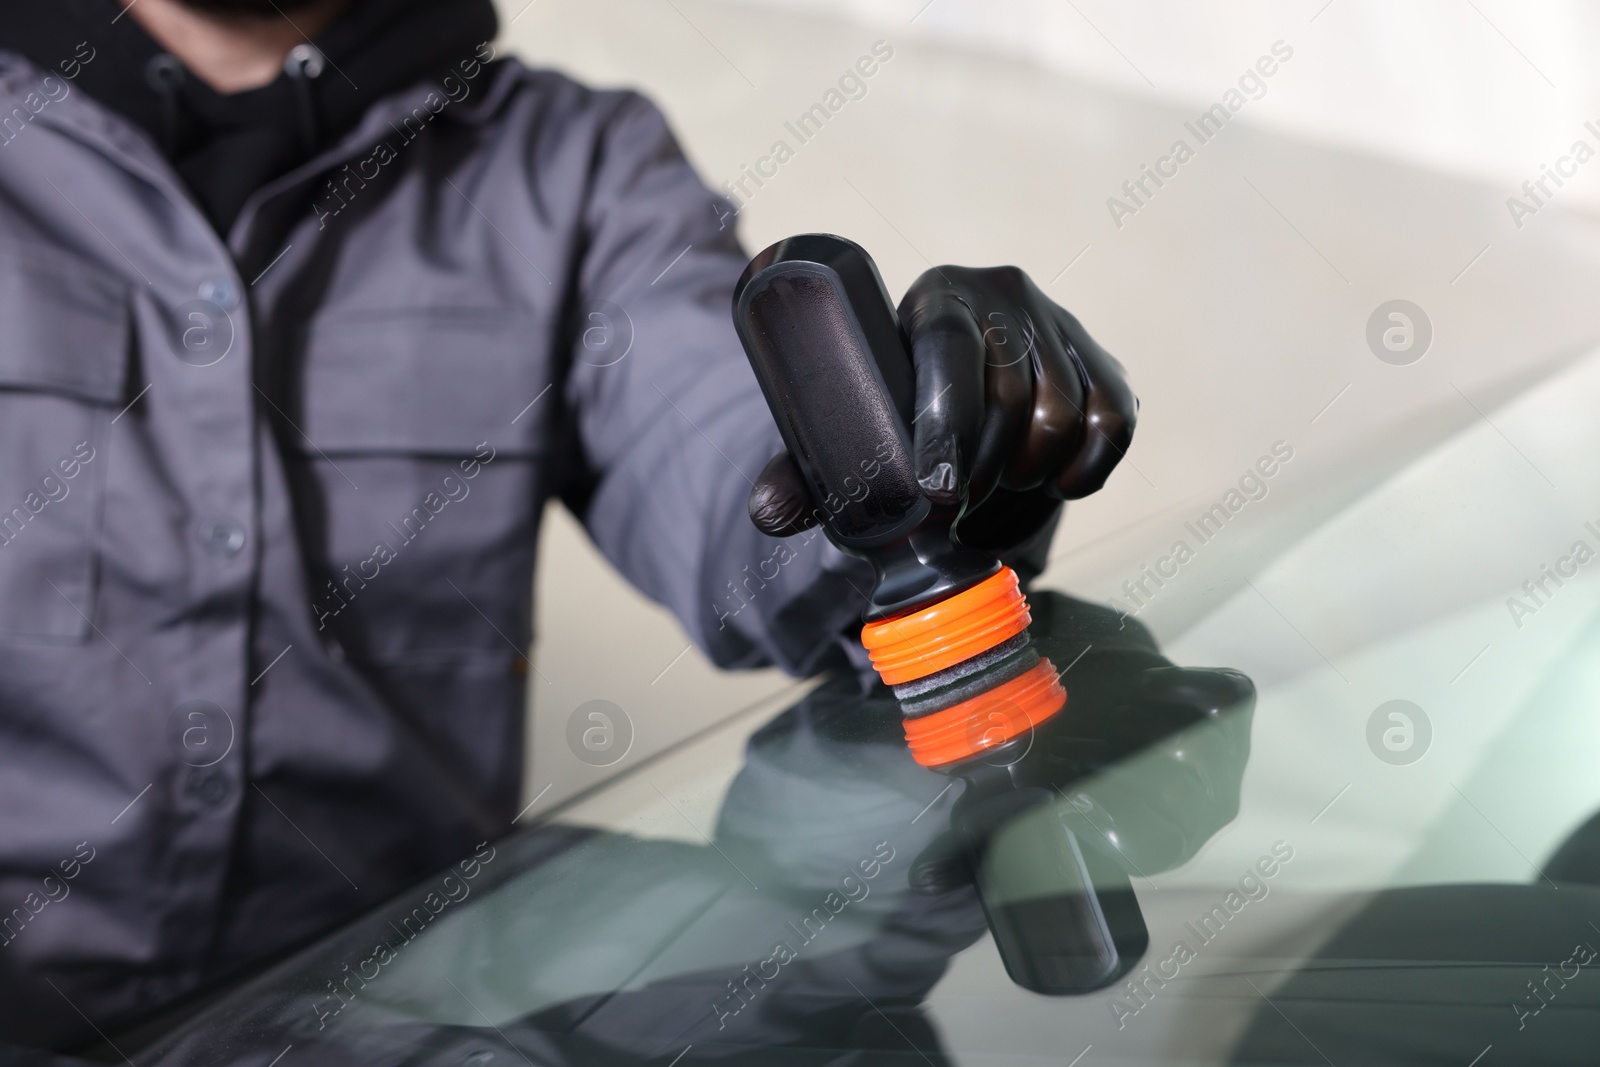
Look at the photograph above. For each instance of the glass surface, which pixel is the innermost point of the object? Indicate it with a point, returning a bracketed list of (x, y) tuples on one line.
[(1361, 830), (801, 901)]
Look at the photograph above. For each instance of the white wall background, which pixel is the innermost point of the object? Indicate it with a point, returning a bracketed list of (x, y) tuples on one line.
[(1490, 88)]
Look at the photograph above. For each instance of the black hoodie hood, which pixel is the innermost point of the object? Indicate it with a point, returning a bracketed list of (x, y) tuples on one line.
[(225, 147)]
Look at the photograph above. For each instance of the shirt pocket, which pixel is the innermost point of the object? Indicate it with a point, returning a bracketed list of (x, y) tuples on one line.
[(426, 381), (425, 435), (65, 333)]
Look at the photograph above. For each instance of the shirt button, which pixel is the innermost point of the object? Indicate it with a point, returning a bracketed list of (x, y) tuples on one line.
[(223, 292), (222, 537)]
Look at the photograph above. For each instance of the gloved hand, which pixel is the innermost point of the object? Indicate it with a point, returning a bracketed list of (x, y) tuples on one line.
[(1017, 409)]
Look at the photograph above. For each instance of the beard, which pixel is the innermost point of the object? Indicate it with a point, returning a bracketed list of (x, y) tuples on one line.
[(259, 8)]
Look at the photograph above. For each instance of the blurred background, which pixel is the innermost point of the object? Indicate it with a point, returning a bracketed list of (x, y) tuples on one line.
[(1378, 161)]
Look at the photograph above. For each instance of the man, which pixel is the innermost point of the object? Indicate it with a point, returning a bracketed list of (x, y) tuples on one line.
[(306, 309)]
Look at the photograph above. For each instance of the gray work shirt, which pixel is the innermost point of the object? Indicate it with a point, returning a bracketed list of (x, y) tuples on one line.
[(268, 506)]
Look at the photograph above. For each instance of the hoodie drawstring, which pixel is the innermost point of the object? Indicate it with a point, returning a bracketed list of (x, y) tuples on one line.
[(164, 74), (303, 65)]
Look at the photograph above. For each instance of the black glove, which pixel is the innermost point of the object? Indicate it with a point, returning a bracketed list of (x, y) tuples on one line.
[(1017, 409)]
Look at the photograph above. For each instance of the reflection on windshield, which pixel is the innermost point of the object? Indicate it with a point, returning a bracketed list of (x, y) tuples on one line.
[(839, 880), (1052, 854)]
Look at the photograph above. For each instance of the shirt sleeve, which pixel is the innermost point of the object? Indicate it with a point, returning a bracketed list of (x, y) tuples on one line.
[(670, 425)]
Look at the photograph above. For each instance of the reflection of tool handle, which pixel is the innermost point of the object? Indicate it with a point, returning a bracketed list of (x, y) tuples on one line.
[(1060, 905)]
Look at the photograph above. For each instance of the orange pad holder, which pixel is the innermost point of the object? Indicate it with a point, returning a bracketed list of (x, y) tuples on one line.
[(923, 642), (987, 720)]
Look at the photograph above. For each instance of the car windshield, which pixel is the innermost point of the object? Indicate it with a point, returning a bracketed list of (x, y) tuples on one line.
[(1322, 794)]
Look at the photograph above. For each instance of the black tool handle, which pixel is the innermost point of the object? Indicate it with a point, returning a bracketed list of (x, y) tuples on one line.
[(825, 343)]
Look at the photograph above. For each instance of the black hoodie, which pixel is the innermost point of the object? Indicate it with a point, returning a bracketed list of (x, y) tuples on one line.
[(227, 146)]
